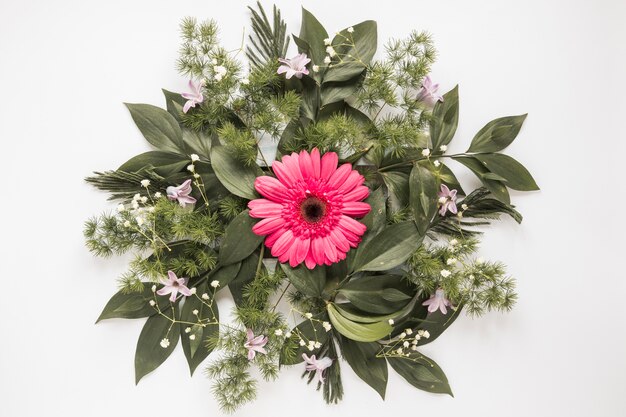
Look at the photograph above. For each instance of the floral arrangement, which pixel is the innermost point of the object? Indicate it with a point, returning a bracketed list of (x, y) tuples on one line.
[(315, 188)]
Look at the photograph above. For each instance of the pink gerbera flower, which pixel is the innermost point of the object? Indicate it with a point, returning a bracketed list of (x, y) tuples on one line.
[(309, 209)]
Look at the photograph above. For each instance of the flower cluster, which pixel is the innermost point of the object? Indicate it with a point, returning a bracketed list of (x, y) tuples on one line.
[(322, 214)]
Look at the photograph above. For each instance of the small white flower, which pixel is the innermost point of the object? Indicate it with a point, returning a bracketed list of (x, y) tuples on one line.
[(145, 183), (193, 290), (144, 199), (399, 351), (220, 72), (480, 260), (215, 283), (451, 261), (402, 335), (214, 61), (165, 343), (418, 337), (288, 334), (420, 332), (327, 60), (153, 288), (426, 152), (326, 325), (464, 206), (391, 322), (151, 209), (245, 81), (205, 296), (350, 29), (453, 242), (426, 334), (437, 164), (135, 204), (192, 337), (308, 315), (408, 331), (445, 273), (311, 347), (121, 208), (191, 168), (188, 330), (140, 221), (413, 347), (195, 312), (316, 68), (443, 148), (136, 197), (194, 157), (278, 332), (302, 342), (406, 344), (196, 175), (158, 195), (318, 345), (331, 51), (126, 223), (327, 41), (152, 303), (472, 276), (459, 214)]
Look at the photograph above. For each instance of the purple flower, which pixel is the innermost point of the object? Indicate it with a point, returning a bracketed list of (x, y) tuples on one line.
[(447, 200), (438, 301), (428, 92), (254, 344), (181, 193), (193, 98), (294, 66), (173, 286), (317, 365)]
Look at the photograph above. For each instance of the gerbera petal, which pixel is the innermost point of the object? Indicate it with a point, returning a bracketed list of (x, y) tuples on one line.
[(340, 175), (283, 243), (339, 240), (292, 163), (261, 207), (358, 194), (330, 250), (315, 161), (271, 239), (352, 225), (353, 180), (306, 165), (267, 226), (356, 209), (270, 187), (283, 173), (298, 251), (328, 164), (317, 250), (309, 261)]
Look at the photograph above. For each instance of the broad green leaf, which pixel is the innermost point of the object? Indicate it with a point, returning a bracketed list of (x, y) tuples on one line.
[(174, 103), (313, 33), (198, 143), (497, 134), (159, 127), (445, 119), (421, 372), (308, 281), (226, 274), (423, 190), (497, 188), (436, 323), (355, 49), (150, 354), (376, 219), (517, 177), (389, 248), (133, 305), (163, 163), (445, 175), (362, 358), (351, 313), (239, 239), (333, 92), (362, 332), (196, 350), (343, 71), (235, 176), (368, 293), (398, 185), (246, 274), (306, 330)]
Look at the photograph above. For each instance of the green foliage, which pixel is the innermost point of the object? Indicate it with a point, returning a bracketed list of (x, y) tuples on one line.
[(269, 41)]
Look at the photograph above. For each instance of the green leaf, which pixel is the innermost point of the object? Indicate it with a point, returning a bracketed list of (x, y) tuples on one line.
[(338, 91), (362, 332), (362, 358), (197, 142), (355, 56), (307, 330), (235, 176), (389, 248), (133, 305), (436, 323), (517, 177), (421, 372), (398, 185), (150, 354), (246, 274), (376, 219), (497, 134), (314, 34), (163, 163), (226, 274), (239, 239), (445, 119), (174, 103), (497, 188), (423, 188), (196, 350), (368, 293), (159, 127), (308, 281), (445, 175)]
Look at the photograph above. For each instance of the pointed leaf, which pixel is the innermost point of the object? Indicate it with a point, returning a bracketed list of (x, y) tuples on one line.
[(150, 354), (163, 163), (421, 372), (133, 305), (423, 188), (239, 239), (362, 332), (159, 127), (308, 281), (445, 119), (497, 188), (497, 134), (376, 219), (314, 34), (362, 358), (235, 176), (517, 177)]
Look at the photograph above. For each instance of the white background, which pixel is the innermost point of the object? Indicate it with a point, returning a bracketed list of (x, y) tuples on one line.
[(67, 66)]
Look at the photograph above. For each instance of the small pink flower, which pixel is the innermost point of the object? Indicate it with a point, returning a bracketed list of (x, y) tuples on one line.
[(447, 200), (437, 301), (309, 209), (294, 66), (255, 344), (181, 193), (428, 92), (173, 286), (193, 98), (317, 365)]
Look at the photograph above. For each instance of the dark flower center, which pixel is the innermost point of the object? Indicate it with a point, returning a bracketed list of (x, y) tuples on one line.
[(313, 209), (175, 284)]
